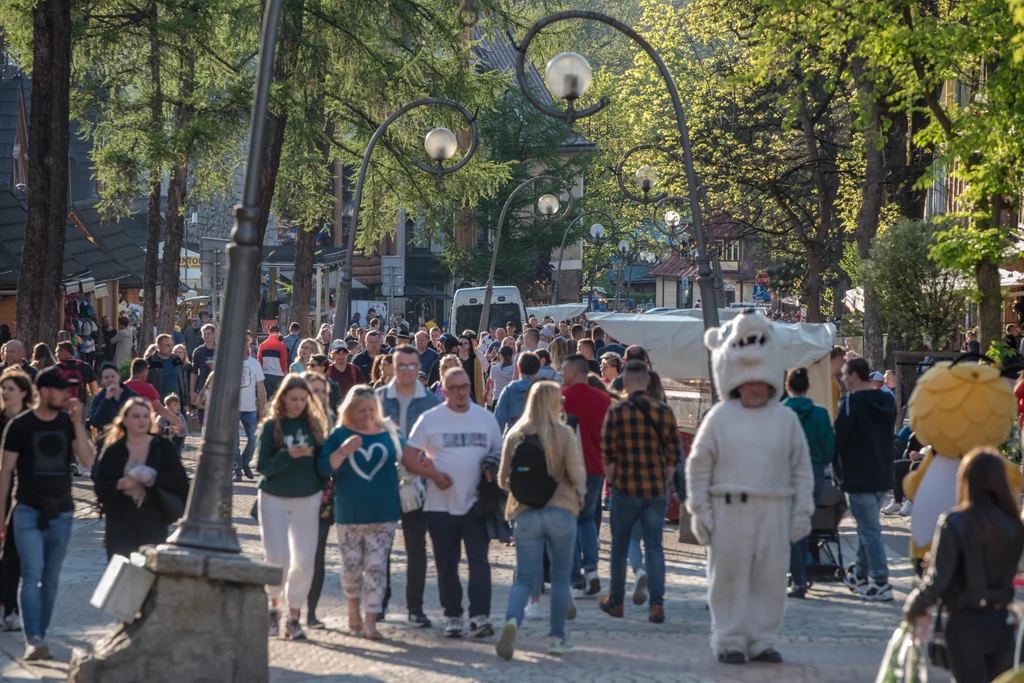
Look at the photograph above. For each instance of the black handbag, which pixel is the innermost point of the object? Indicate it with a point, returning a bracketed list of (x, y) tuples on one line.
[(172, 506), (938, 651)]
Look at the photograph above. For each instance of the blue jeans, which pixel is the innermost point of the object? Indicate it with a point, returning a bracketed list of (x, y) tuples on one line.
[(798, 551), (626, 512), (635, 554), (42, 556), (248, 420), (588, 530), (555, 529), (865, 508)]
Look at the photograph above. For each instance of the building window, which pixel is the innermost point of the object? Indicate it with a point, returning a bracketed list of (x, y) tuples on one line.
[(729, 251)]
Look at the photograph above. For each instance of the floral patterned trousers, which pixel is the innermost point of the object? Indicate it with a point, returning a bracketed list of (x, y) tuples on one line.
[(364, 562)]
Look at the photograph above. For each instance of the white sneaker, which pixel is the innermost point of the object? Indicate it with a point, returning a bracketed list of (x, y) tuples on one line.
[(506, 646), (892, 508), (453, 627), (480, 627), (535, 612), (561, 646), (12, 622), (640, 589), (907, 509)]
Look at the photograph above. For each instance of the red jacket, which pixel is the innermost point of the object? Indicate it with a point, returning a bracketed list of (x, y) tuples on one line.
[(589, 406), (1018, 391), (273, 356)]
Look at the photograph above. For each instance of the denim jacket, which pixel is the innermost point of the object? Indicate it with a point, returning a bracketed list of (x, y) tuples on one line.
[(422, 401)]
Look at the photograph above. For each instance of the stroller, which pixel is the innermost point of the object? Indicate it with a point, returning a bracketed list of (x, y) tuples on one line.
[(826, 564)]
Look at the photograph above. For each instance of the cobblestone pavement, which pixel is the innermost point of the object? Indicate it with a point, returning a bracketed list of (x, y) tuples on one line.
[(831, 637)]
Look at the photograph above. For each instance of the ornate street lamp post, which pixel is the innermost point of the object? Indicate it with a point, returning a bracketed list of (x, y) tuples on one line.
[(548, 205), (598, 237), (207, 522), (440, 144), (561, 249), (569, 75)]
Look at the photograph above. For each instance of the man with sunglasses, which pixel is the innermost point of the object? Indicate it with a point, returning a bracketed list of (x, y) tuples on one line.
[(403, 401), (447, 446)]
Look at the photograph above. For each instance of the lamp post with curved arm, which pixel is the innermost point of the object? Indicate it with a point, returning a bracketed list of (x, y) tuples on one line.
[(568, 76), (598, 237), (440, 144), (561, 249), (548, 205)]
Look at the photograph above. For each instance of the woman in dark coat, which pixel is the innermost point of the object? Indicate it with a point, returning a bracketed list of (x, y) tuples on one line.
[(134, 466)]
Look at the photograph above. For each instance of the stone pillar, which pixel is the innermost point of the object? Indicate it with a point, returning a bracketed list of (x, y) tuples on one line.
[(204, 621)]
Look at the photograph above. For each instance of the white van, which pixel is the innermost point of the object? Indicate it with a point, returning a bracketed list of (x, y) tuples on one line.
[(468, 305)]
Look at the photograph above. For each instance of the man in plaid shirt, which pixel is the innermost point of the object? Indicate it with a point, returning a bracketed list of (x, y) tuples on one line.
[(640, 447)]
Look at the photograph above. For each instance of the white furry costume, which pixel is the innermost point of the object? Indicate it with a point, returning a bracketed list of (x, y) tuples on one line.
[(749, 487)]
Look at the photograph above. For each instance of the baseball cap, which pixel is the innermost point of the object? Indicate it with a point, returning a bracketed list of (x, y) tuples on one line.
[(876, 376), (52, 379), (493, 325), (338, 345), (275, 328)]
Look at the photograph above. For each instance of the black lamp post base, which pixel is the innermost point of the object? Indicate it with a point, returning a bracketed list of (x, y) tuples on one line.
[(204, 535)]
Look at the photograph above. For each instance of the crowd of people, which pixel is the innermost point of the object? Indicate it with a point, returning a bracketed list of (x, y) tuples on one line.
[(520, 437)]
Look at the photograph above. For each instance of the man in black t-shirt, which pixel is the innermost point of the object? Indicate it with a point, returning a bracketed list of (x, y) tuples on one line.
[(73, 369), (42, 445), (202, 366)]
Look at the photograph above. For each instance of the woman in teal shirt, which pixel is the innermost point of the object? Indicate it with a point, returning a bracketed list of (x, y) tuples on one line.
[(362, 453), (821, 441), (288, 495)]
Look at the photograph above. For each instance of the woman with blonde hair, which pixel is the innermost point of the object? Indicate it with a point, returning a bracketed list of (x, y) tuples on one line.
[(307, 349), (362, 453), (544, 516), (133, 465), (42, 357), (288, 496), (559, 351)]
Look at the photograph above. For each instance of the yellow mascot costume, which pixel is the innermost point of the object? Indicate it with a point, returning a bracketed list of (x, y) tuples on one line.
[(955, 408)]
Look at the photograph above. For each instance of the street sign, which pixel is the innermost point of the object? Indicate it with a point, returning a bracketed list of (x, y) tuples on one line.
[(763, 279), (392, 276), (761, 293)]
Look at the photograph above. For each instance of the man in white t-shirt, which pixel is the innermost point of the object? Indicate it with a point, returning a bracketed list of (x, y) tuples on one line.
[(252, 401), (454, 438)]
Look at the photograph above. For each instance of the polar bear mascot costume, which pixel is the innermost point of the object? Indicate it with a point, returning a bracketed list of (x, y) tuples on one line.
[(749, 490), (955, 408)]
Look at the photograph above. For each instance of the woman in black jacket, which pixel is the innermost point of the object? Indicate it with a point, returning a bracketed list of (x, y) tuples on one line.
[(973, 561), (135, 464)]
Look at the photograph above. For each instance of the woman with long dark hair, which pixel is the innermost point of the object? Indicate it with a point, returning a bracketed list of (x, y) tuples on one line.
[(289, 496), (42, 357), (17, 394), (135, 472), (973, 561)]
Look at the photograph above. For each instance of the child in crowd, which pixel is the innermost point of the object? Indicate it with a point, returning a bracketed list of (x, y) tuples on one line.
[(170, 431)]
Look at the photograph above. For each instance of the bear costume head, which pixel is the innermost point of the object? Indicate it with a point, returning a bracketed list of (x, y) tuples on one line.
[(745, 349)]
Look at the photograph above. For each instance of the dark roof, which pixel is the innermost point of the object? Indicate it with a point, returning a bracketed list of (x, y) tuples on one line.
[(497, 52), (98, 254), (676, 266), (112, 238)]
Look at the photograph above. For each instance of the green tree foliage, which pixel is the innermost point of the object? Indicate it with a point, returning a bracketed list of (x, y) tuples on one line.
[(919, 298)]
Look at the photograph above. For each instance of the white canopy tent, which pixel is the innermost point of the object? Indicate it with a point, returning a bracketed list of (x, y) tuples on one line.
[(558, 311), (675, 343)]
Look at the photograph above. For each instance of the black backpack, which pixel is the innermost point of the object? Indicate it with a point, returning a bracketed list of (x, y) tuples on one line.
[(530, 482)]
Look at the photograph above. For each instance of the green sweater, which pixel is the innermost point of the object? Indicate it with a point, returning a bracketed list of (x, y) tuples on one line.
[(818, 429), (280, 474)]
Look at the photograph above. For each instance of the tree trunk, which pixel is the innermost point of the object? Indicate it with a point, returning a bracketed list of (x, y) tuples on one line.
[(39, 303), (170, 268), (870, 209), (305, 254), (990, 308), (284, 67), (812, 283), (153, 221)]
